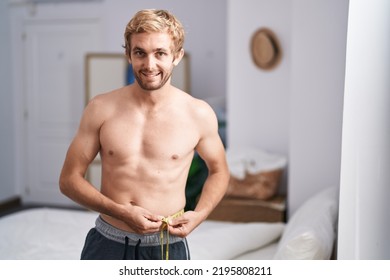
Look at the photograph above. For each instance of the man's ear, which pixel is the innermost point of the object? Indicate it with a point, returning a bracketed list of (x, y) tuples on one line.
[(179, 55), (128, 55)]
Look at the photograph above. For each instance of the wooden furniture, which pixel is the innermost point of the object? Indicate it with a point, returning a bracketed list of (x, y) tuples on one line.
[(250, 210)]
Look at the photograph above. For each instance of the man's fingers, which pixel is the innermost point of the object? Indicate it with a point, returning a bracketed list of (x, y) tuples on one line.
[(177, 221), (154, 218), (178, 231)]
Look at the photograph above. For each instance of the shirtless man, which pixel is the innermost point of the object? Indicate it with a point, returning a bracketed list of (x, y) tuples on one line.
[(146, 134)]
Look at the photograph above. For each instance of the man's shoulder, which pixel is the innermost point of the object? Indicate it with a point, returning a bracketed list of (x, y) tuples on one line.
[(192, 101), (199, 109), (201, 106), (103, 105), (107, 98)]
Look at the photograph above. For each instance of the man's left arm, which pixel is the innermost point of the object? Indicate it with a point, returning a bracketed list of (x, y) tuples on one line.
[(210, 148)]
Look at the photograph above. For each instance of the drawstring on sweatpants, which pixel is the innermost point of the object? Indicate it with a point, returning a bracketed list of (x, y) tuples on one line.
[(126, 245), (136, 252)]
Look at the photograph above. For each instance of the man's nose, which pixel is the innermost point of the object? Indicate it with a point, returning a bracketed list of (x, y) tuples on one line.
[(150, 62)]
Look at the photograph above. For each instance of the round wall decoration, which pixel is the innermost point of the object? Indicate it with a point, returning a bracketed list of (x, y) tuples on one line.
[(265, 49)]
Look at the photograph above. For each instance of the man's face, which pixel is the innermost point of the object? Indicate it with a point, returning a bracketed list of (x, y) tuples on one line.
[(152, 59)]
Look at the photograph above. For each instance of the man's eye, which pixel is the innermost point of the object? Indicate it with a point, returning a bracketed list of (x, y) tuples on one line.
[(160, 54), (138, 53)]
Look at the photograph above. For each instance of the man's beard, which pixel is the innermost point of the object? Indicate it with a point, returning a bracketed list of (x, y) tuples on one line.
[(151, 86)]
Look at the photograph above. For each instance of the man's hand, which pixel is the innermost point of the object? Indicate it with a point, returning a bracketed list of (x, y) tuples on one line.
[(141, 220), (185, 224)]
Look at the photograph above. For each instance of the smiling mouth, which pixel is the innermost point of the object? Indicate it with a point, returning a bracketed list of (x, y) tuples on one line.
[(150, 74)]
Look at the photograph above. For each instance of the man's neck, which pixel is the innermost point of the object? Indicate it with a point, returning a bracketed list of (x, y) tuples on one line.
[(152, 100)]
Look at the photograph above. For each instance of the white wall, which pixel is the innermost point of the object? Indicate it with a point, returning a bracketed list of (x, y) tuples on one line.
[(318, 43), (295, 109), (7, 185), (364, 224), (258, 100)]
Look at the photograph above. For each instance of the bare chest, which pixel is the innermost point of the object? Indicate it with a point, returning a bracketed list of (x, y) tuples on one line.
[(132, 137)]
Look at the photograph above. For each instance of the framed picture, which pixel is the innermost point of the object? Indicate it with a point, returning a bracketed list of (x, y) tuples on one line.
[(104, 72)]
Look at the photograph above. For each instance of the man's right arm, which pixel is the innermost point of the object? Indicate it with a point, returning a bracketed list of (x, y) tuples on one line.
[(81, 153)]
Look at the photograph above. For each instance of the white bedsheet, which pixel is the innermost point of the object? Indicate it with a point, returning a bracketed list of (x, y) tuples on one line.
[(57, 234), (44, 234)]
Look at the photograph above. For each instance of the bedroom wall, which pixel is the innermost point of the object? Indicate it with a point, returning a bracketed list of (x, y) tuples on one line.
[(258, 100), (318, 46), (295, 109), (7, 185)]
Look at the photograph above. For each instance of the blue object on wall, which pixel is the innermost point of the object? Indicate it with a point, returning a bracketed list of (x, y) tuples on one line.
[(129, 75)]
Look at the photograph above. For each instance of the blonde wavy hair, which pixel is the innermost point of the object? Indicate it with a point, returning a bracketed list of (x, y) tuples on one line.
[(152, 20)]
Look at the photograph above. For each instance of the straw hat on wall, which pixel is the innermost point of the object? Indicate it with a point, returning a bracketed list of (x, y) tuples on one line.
[(265, 49)]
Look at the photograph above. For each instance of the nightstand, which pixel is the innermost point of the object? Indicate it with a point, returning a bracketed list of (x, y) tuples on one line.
[(250, 210)]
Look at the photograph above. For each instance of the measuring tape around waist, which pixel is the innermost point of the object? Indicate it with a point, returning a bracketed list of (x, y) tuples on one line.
[(165, 226)]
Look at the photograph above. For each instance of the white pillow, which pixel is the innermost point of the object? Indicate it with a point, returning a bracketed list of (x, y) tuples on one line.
[(216, 240), (310, 233)]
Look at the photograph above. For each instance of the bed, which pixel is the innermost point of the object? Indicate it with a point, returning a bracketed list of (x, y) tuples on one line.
[(58, 234)]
